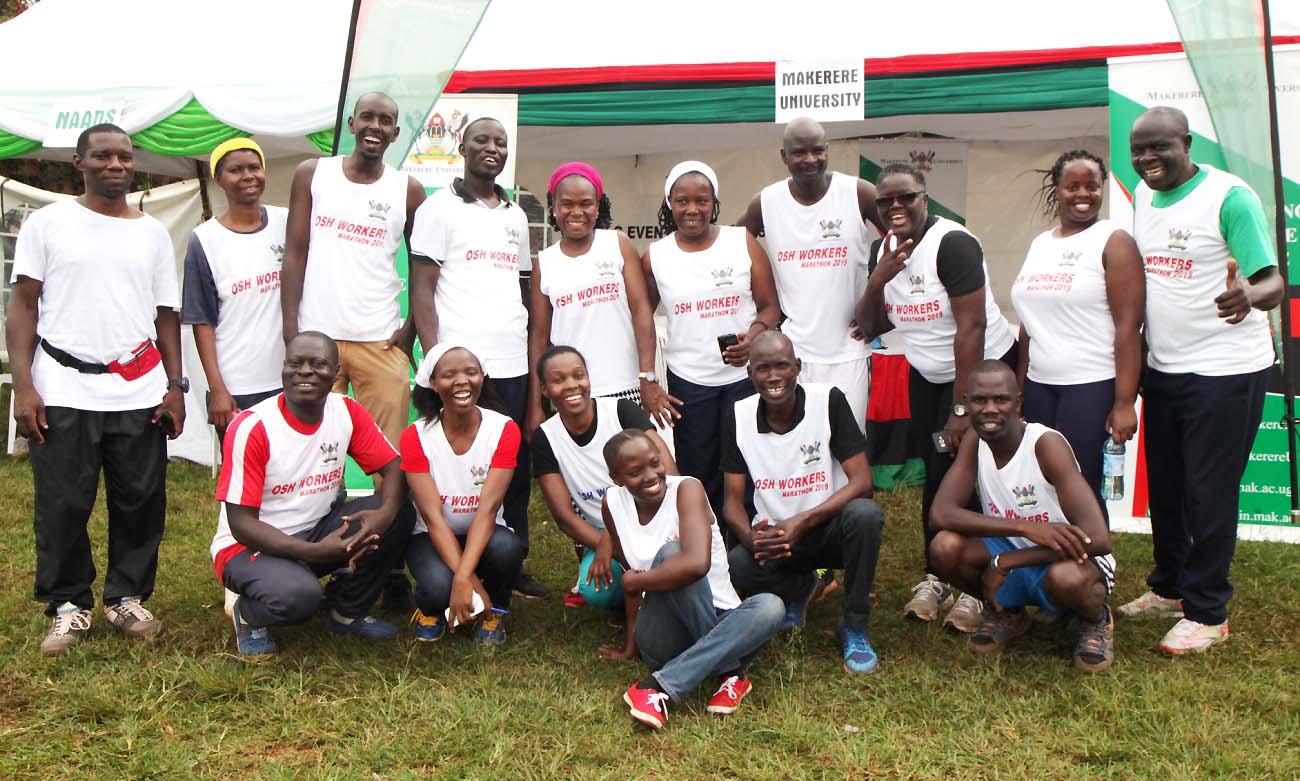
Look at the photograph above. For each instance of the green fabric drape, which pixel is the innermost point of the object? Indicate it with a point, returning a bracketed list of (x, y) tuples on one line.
[(1027, 90), (190, 131), (649, 107), (322, 140), (13, 146)]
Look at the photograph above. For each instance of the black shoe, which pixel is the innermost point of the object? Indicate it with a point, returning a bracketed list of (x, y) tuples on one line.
[(397, 594), (528, 587)]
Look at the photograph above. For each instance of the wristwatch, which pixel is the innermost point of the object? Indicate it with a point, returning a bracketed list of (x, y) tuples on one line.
[(180, 382), (993, 565), (648, 377), (959, 411)]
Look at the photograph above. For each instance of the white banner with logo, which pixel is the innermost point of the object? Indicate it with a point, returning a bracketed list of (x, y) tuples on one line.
[(433, 155), (943, 163), (825, 90)]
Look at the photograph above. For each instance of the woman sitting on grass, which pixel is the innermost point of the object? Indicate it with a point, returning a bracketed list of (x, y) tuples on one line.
[(683, 616), (570, 468), (458, 459)]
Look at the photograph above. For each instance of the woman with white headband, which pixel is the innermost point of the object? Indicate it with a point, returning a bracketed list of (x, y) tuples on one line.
[(717, 289), (458, 459)]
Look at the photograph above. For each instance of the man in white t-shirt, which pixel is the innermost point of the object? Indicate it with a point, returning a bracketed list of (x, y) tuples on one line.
[(469, 281), (1211, 275), (1040, 538), (231, 288), (815, 223), (282, 525), (347, 218), (94, 340)]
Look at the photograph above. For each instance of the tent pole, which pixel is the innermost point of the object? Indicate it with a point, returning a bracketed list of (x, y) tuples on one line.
[(202, 174), (347, 74), (1288, 351)]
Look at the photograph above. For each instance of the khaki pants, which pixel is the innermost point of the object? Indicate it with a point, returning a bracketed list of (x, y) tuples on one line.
[(380, 382)]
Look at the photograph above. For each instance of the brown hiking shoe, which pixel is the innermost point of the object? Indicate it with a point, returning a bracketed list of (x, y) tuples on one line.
[(131, 619), (997, 629), (965, 616), (69, 630), (1095, 650)]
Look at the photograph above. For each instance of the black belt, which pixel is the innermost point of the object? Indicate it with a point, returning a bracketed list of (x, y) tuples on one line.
[(72, 362)]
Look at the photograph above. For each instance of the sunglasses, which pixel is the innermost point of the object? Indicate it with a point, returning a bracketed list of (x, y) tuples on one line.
[(906, 199)]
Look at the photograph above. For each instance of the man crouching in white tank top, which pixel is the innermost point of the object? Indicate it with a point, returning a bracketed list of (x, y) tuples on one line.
[(1041, 538)]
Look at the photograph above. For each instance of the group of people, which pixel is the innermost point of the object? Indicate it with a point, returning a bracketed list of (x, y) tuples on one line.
[(768, 369)]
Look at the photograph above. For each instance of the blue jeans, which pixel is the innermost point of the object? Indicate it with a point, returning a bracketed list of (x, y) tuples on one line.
[(497, 567), (606, 598), (685, 639)]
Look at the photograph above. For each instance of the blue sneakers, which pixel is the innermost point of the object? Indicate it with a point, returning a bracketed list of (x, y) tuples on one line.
[(428, 629), (491, 630), (251, 640), (859, 656), (796, 611), (367, 627)]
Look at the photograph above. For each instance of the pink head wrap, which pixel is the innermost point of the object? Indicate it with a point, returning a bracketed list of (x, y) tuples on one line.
[(581, 169)]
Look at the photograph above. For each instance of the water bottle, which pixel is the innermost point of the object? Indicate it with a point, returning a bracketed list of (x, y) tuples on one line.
[(1112, 470)]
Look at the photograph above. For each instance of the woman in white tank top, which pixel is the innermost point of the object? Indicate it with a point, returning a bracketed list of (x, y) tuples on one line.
[(717, 289), (1080, 296), (459, 458), (588, 292)]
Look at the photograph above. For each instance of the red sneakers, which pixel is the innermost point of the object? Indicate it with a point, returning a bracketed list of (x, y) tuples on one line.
[(574, 599), (728, 696), (647, 706)]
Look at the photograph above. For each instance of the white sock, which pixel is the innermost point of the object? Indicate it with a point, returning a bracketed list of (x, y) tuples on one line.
[(66, 607)]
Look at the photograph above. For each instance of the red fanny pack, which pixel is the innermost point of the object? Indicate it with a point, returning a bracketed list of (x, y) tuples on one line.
[(137, 363)]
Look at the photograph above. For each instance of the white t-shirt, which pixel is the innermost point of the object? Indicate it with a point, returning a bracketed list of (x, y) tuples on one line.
[(482, 252), (705, 294), (819, 258), (794, 471), (351, 285), (1060, 296), (589, 311), (244, 272), (460, 478), (583, 466), (290, 470), (917, 303), (1186, 259), (642, 543), (1019, 491), (102, 282)]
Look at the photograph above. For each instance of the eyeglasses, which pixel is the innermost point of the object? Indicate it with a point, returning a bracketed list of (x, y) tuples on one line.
[(906, 199)]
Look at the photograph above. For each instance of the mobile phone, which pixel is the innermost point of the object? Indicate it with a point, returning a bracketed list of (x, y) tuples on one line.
[(727, 340), (941, 442)]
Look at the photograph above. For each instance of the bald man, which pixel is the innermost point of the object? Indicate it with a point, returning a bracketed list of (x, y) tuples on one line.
[(807, 458), (817, 239), (280, 528), (1211, 273)]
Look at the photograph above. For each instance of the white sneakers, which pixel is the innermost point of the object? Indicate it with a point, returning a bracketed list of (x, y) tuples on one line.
[(1151, 605), (70, 627), (929, 597), (1189, 637)]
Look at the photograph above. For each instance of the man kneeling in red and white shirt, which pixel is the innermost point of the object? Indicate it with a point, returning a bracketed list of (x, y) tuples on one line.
[(282, 526)]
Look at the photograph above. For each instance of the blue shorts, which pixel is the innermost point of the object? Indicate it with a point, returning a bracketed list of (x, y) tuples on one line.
[(1024, 586)]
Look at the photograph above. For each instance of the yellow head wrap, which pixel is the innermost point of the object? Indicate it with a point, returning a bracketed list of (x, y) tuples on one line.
[(226, 147)]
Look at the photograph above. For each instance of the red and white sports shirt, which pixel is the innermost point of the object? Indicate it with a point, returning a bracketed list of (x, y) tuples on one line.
[(460, 477)]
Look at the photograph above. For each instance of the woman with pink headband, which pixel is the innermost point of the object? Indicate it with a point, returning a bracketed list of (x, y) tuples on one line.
[(588, 293)]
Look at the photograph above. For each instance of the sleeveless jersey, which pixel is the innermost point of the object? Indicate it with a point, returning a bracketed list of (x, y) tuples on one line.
[(819, 259), (1019, 491), (246, 270), (916, 302), (794, 471), (1186, 259), (583, 466), (705, 294), (460, 478), (641, 543), (351, 286), (1060, 296), (589, 311)]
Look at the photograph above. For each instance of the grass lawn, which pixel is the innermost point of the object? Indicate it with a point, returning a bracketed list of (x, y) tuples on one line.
[(545, 706)]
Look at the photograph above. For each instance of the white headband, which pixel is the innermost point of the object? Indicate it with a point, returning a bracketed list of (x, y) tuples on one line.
[(430, 360), (688, 167)]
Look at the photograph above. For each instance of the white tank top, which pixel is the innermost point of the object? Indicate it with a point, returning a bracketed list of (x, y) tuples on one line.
[(819, 258), (1019, 491), (589, 311), (246, 270), (583, 466), (705, 294), (460, 478), (1186, 262), (794, 471), (641, 543), (916, 302), (1060, 296), (351, 286)]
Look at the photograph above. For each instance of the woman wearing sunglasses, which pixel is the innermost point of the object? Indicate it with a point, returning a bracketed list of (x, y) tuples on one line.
[(929, 284)]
